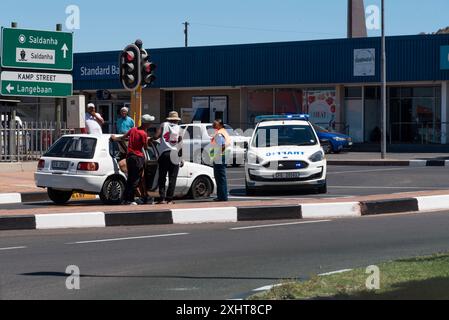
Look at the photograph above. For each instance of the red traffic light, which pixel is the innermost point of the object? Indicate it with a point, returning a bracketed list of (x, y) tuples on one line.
[(149, 67), (130, 56)]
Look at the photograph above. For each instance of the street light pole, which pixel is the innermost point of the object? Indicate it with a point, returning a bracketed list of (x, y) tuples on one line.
[(384, 87)]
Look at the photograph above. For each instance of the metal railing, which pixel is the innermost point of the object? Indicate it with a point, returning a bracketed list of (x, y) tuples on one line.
[(28, 141)]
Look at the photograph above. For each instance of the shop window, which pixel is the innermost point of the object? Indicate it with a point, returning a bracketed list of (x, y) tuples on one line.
[(353, 92), (288, 101), (260, 102)]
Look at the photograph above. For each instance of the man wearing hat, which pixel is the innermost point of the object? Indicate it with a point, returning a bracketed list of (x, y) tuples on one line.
[(135, 159), (94, 121), (169, 156), (124, 123)]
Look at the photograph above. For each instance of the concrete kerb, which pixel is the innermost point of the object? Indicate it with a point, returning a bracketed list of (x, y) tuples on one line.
[(225, 214)]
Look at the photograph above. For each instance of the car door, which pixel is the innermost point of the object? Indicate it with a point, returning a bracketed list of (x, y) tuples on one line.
[(151, 167)]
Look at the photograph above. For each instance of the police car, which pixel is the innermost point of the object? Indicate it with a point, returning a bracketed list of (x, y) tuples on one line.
[(285, 152)]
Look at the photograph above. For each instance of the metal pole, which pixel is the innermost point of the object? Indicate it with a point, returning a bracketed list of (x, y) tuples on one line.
[(58, 101), (384, 88), (186, 33)]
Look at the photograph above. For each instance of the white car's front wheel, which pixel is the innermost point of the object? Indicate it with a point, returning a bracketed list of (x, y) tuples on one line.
[(201, 188), (113, 191)]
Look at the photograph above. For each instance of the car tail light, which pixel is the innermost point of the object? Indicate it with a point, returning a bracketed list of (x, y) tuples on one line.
[(88, 166), (41, 165)]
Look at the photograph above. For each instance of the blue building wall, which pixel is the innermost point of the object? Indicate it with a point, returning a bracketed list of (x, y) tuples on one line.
[(409, 58)]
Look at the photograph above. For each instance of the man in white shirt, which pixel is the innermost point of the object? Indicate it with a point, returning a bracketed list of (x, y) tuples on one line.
[(169, 159), (94, 121)]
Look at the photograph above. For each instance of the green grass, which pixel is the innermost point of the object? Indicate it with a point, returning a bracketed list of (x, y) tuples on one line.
[(417, 278)]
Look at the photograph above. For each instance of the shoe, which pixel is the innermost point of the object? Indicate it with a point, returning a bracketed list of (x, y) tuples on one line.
[(159, 202), (129, 203), (170, 202), (220, 200)]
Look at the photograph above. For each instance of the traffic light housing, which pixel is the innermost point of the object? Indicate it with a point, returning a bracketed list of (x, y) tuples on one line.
[(148, 68), (131, 67)]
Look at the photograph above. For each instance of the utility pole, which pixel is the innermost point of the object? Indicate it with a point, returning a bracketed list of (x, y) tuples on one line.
[(186, 33), (384, 88)]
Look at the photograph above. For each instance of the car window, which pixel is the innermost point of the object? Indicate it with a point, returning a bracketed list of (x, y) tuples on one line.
[(284, 135), (73, 147), (152, 155)]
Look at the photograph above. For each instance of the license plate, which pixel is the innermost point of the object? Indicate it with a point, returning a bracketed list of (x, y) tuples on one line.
[(287, 175), (60, 165)]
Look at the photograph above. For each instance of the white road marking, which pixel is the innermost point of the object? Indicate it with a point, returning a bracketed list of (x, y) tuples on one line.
[(12, 248), (267, 288), (279, 225), (334, 272), (382, 187), (130, 238)]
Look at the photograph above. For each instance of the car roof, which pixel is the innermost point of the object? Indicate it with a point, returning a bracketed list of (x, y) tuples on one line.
[(283, 122)]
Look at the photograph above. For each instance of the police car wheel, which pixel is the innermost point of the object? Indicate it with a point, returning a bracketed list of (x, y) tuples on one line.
[(322, 189), (59, 197), (201, 188), (113, 191), (327, 147)]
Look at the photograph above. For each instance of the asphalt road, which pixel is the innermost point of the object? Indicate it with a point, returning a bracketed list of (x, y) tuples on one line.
[(205, 261), (343, 182)]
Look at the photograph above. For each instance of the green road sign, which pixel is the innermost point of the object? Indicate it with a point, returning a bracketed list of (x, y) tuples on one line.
[(32, 49), (35, 84)]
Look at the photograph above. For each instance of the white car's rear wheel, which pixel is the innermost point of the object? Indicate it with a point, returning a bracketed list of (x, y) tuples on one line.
[(113, 191), (201, 188), (58, 196)]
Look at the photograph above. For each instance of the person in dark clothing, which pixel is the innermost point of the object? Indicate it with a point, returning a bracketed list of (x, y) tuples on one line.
[(135, 159)]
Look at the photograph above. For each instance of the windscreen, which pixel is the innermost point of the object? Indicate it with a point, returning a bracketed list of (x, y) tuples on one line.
[(73, 147), (284, 135)]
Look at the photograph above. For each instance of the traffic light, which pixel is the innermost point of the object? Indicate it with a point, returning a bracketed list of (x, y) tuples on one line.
[(148, 68), (131, 67)]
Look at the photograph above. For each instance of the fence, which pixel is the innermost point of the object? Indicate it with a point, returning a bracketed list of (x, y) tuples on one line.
[(27, 141)]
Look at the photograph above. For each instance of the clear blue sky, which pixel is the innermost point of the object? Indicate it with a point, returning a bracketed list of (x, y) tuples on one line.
[(158, 23)]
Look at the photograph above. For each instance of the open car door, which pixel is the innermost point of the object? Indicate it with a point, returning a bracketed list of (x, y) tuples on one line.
[(151, 168)]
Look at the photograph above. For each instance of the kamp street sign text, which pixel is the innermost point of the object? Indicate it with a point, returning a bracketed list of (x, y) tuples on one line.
[(35, 84), (32, 49)]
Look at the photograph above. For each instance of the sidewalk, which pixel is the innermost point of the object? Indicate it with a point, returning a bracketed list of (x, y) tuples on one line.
[(392, 159)]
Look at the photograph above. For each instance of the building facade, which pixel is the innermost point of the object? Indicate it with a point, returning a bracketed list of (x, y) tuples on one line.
[(336, 81)]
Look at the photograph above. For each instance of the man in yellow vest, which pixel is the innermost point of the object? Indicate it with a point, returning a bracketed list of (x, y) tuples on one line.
[(220, 144)]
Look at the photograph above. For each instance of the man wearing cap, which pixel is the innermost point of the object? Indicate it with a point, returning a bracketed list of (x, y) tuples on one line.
[(169, 156), (94, 121), (125, 122), (135, 159)]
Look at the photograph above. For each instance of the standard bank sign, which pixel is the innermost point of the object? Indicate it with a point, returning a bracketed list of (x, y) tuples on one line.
[(97, 71), (444, 58)]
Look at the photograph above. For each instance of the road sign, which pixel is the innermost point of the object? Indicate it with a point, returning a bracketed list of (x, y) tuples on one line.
[(32, 49), (35, 84)]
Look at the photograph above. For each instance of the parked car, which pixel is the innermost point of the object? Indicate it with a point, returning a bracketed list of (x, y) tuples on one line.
[(333, 142), (94, 165), (197, 137)]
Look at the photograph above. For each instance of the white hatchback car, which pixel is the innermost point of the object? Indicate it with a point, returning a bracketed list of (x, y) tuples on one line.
[(91, 164), (285, 153)]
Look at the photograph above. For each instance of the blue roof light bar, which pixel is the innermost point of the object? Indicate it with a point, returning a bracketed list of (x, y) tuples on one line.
[(300, 117)]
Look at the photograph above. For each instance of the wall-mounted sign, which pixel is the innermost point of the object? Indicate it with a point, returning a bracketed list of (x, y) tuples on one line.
[(444, 58), (364, 62)]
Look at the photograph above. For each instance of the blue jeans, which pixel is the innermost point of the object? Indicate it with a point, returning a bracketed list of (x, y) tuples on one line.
[(222, 182)]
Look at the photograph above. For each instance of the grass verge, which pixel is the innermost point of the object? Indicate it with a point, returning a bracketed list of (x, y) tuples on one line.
[(418, 278)]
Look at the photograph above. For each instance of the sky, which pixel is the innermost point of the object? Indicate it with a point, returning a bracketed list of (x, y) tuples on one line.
[(111, 25)]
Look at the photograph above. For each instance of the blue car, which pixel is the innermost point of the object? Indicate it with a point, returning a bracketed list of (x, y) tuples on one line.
[(333, 142)]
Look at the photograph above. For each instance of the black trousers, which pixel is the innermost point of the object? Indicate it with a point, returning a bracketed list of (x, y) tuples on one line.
[(135, 166), (166, 166)]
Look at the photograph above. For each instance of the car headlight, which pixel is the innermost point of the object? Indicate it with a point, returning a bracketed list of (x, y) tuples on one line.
[(339, 139), (317, 157), (254, 159)]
